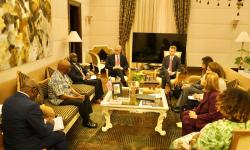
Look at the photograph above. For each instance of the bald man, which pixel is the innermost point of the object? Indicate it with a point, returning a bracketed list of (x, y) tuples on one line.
[(23, 123), (117, 64), (61, 93)]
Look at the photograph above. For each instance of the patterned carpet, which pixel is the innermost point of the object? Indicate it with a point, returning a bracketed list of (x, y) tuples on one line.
[(131, 131)]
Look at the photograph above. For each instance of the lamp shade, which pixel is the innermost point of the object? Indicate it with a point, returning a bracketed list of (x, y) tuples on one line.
[(74, 37), (243, 37)]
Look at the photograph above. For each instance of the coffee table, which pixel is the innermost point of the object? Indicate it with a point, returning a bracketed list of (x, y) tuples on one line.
[(122, 103)]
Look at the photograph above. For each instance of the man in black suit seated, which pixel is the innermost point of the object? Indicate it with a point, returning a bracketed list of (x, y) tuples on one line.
[(23, 123), (117, 64), (80, 75), (170, 65)]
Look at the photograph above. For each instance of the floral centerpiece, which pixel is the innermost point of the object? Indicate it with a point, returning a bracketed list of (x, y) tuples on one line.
[(137, 76)]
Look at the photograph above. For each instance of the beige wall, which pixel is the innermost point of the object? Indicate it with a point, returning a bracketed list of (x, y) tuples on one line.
[(104, 27), (59, 34), (211, 32)]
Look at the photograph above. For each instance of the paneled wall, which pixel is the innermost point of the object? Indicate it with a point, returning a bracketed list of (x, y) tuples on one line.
[(105, 22), (211, 32)]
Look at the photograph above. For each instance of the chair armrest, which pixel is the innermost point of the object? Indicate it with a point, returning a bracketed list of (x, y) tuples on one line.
[(193, 78)]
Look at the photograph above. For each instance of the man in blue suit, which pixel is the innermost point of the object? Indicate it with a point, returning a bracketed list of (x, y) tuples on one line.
[(23, 123)]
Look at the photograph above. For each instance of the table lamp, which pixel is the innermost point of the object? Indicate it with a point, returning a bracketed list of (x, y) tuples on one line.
[(73, 38)]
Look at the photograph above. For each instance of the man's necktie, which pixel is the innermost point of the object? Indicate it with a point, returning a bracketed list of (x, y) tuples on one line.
[(117, 60), (170, 64), (80, 70)]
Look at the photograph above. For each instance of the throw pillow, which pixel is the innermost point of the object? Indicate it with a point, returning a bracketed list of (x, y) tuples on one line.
[(21, 77), (232, 83), (43, 85), (49, 72)]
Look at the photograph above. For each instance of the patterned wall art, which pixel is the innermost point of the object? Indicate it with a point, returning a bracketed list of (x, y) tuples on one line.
[(25, 27)]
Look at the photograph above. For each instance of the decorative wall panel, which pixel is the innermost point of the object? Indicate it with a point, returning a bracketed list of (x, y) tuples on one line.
[(25, 28)]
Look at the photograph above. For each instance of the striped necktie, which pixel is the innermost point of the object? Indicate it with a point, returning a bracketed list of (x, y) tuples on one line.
[(117, 60)]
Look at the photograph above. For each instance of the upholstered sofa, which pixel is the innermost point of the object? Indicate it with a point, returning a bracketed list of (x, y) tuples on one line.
[(232, 77), (69, 113)]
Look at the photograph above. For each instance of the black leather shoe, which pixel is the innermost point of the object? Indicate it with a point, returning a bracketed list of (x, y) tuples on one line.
[(98, 101), (90, 124), (176, 109)]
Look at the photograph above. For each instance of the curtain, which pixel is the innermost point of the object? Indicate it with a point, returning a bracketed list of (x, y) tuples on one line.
[(181, 13), (152, 16), (127, 13)]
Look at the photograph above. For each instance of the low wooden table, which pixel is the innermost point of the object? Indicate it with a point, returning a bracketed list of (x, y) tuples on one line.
[(150, 84), (160, 106)]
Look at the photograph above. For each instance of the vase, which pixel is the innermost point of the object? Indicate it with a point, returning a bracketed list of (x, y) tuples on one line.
[(133, 90)]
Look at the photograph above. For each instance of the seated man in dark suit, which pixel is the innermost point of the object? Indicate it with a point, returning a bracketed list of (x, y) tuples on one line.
[(117, 64), (80, 74), (23, 123), (170, 65)]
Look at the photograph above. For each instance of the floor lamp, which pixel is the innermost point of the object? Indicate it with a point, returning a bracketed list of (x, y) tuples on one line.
[(73, 38)]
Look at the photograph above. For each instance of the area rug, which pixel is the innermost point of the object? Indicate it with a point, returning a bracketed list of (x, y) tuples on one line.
[(131, 131)]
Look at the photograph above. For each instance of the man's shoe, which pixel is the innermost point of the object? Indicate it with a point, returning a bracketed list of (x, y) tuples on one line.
[(97, 101), (176, 109), (90, 124)]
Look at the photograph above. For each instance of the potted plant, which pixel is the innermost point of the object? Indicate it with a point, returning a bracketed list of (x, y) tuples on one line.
[(243, 61)]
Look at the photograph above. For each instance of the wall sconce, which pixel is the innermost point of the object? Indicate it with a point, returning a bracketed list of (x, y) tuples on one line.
[(235, 21), (88, 19)]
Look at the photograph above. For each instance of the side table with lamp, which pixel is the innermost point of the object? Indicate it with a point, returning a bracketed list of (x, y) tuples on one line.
[(244, 58)]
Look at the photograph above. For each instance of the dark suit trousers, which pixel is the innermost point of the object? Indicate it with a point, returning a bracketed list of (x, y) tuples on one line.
[(188, 124), (56, 140), (84, 107), (98, 86), (165, 78), (119, 73), (182, 100)]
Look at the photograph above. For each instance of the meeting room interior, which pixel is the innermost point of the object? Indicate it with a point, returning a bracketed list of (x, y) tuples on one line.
[(124, 74)]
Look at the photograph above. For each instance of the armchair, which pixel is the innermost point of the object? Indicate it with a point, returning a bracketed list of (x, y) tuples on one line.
[(240, 140), (166, 53), (102, 51), (113, 79), (97, 62)]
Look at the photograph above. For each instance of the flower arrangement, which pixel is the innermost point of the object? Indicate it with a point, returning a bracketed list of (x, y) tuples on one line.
[(137, 76)]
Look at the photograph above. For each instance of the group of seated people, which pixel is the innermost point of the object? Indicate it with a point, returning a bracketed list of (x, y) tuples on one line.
[(218, 112), (23, 122), (211, 126), (207, 124)]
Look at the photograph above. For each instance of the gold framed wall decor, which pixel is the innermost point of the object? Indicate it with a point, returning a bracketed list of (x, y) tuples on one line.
[(25, 31)]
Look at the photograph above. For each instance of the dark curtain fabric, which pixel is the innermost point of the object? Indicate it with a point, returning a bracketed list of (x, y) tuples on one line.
[(127, 15), (181, 13)]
